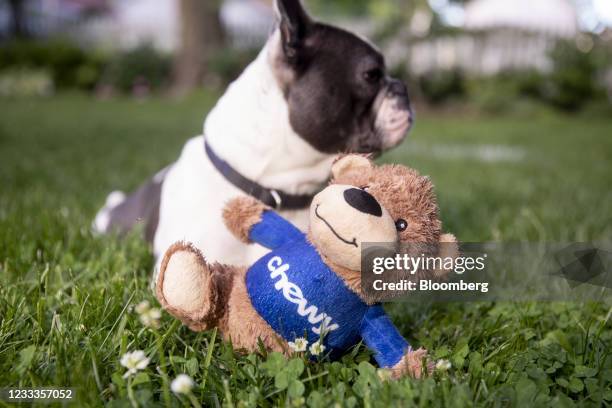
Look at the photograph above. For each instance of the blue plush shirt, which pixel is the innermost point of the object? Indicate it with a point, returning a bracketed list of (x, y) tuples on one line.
[(297, 295)]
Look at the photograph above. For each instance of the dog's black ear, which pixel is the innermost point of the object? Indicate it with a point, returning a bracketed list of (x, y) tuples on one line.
[(294, 24)]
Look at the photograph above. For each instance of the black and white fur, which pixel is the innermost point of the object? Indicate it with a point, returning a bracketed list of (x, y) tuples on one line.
[(313, 91)]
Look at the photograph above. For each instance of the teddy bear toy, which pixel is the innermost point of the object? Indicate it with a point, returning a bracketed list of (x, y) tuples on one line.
[(308, 285)]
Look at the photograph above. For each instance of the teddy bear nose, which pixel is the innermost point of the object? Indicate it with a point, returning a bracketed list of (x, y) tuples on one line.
[(362, 201)]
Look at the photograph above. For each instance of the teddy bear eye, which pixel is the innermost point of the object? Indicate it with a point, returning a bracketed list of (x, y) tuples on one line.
[(401, 225)]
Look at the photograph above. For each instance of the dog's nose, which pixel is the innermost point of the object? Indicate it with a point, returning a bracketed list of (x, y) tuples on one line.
[(362, 201), (397, 88)]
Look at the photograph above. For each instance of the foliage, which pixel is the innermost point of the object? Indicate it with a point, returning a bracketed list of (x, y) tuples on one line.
[(506, 91), (345, 7), (571, 84), (141, 67), (69, 65), (25, 82), (73, 67), (573, 79), (227, 64), (66, 295), (390, 15), (440, 86)]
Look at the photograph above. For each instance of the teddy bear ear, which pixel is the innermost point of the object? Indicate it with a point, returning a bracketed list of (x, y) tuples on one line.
[(449, 248), (350, 163)]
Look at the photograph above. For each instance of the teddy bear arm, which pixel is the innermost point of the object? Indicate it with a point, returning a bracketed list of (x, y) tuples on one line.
[(382, 337), (391, 350), (251, 221)]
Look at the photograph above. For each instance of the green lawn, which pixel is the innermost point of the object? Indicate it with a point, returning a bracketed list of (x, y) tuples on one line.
[(66, 297)]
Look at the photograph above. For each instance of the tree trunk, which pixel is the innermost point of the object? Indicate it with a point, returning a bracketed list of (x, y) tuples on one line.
[(201, 37), (18, 28)]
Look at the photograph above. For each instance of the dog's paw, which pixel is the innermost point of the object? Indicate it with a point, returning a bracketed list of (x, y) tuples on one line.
[(101, 224)]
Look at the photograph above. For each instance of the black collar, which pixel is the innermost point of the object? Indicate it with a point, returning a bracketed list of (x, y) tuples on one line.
[(276, 199)]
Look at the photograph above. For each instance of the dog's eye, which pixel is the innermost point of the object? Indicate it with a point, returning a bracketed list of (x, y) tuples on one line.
[(365, 188), (373, 75), (401, 225)]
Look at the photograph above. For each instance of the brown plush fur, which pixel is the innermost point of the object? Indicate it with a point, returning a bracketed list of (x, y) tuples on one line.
[(240, 214), (402, 191), (414, 363)]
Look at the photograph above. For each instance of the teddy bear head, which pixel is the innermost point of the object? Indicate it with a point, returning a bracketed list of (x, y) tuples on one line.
[(366, 203)]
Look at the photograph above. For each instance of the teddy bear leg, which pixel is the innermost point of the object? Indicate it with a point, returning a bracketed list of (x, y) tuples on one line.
[(191, 289)]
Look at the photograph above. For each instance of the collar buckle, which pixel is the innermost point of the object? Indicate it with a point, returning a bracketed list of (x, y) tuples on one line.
[(278, 201)]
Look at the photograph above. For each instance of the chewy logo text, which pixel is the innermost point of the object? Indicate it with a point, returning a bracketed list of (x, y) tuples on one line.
[(294, 294)]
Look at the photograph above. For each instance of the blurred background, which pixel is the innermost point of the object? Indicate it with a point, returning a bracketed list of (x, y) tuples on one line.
[(492, 53), (513, 101)]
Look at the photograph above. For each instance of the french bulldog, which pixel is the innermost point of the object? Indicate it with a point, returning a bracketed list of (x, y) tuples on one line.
[(314, 91)]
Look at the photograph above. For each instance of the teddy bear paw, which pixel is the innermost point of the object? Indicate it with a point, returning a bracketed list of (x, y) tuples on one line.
[(240, 214), (414, 364)]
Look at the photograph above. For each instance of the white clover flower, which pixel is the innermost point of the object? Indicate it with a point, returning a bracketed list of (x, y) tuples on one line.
[(317, 348), (142, 307), (182, 384), (149, 316), (134, 361), (299, 344), (443, 365), (384, 374)]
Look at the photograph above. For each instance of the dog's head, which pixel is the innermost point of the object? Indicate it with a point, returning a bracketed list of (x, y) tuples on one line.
[(340, 97)]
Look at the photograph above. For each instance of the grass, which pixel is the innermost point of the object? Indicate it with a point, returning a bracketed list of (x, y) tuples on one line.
[(66, 297)]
